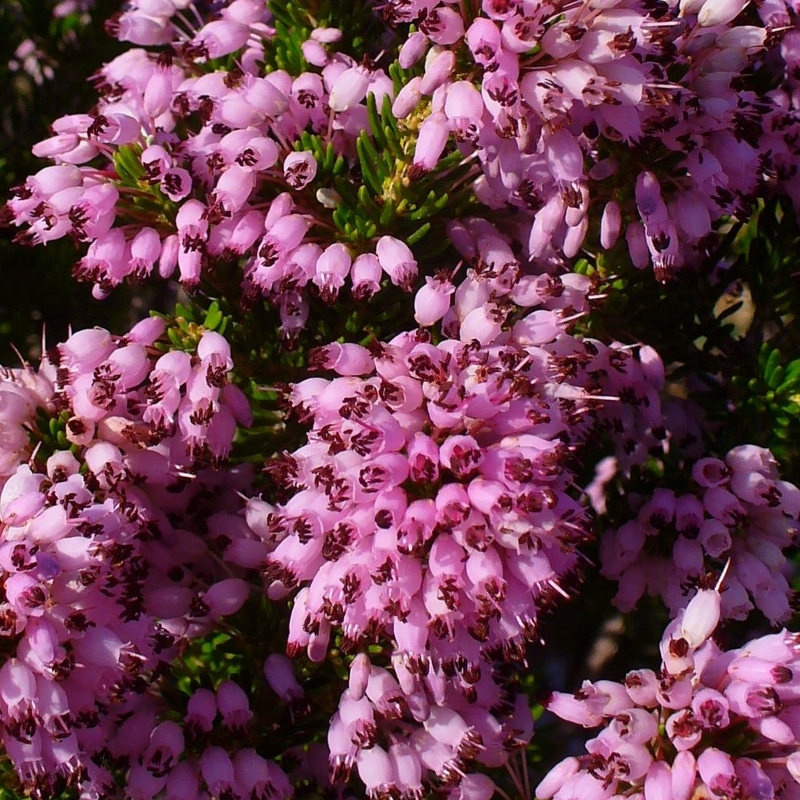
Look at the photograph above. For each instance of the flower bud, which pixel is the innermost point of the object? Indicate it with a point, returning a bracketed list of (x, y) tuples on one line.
[(720, 12), (700, 617)]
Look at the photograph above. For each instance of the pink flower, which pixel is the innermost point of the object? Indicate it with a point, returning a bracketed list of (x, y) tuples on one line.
[(345, 359), (299, 169), (397, 260), (699, 731), (431, 142), (349, 89), (717, 12)]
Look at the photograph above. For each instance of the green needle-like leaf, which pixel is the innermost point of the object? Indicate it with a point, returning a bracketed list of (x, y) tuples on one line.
[(368, 160), (367, 203), (419, 234)]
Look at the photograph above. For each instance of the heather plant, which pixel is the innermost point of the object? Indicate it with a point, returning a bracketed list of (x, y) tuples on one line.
[(36, 45), (471, 315)]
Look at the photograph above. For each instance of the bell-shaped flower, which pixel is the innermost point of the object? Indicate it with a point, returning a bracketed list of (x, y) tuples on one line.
[(219, 38), (365, 275), (720, 12), (346, 359), (217, 771), (349, 89), (397, 261), (201, 710), (299, 168), (332, 267), (431, 141), (234, 706)]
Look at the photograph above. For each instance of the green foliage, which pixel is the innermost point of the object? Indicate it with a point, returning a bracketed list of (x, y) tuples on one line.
[(49, 434), (141, 201), (189, 322), (294, 21), (329, 164), (128, 165), (386, 193), (771, 399), (761, 367)]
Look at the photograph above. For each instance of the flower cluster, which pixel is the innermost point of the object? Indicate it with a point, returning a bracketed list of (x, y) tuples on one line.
[(410, 732), (421, 504), (232, 188), (560, 97), (596, 101), (181, 399), (432, 507), (432, 497), (103, 567), (711, 722), (22, 391), (174, 760), (738, 509)]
